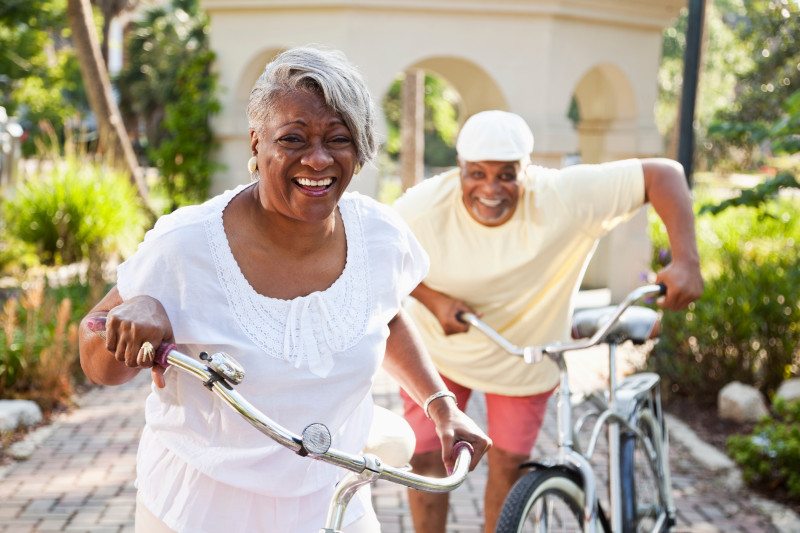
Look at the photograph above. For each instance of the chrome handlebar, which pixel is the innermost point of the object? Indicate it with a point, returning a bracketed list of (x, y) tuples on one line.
[(222, 372), (535, 354)]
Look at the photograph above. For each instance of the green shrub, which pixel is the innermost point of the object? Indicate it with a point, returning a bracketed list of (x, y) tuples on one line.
[(39, 343), (79, 210), (771, 454), (16, 256), (746, 326), (184, 156)]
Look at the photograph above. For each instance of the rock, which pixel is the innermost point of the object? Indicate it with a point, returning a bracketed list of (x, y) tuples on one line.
[(21, 450), (741, 403), (18, 413), (789, 390)]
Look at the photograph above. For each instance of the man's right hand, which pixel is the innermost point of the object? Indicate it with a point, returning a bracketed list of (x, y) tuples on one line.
[(444, 308), (447, 312)]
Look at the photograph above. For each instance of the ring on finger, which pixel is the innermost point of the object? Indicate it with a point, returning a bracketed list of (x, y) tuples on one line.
[(147, 351)]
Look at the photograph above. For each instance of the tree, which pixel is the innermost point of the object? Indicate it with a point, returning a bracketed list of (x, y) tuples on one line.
[(765, 111), (113, 139), (724, 59), (110, 9), (39, 75), (441, 121), (169, 88)]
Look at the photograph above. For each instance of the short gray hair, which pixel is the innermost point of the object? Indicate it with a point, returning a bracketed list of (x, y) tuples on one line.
[(328, 73)]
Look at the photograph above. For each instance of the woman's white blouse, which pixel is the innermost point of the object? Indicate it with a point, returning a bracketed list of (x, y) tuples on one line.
[(310, 359)]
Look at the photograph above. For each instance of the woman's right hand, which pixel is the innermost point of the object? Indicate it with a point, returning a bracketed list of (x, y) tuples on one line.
[(133, 323)]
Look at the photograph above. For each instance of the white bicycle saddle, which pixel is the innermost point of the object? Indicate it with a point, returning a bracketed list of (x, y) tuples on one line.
[(390, 438)]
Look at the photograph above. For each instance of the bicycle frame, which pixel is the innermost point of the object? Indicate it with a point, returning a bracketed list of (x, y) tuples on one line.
[(614, 413), (221, 372)]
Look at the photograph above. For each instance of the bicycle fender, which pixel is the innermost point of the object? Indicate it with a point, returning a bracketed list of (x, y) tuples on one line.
[(548, 465)]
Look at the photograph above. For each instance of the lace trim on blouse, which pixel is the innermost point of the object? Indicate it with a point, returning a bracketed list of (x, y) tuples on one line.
[(307, 330)]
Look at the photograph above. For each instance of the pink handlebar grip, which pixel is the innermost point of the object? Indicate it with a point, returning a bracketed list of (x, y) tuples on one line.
[(162, 352), (98, 325), (462, 444)]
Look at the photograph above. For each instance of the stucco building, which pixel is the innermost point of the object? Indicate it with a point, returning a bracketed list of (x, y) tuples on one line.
[(527, 56)]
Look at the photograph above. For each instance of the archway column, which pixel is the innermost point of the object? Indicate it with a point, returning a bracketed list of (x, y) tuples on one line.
[(631, 138), (623, 256), (554, 138), (604, 140)]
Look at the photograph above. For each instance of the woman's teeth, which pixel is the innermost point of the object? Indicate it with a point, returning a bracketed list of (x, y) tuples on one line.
[(489, 203), (305, 182)]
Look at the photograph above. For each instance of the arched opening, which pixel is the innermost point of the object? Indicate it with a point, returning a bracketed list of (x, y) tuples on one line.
[(443, 109), (478, 90), (250, 73), (606, 107), (424, 108)]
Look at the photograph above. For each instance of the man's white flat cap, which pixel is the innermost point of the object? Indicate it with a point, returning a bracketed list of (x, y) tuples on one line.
[(495, 136)]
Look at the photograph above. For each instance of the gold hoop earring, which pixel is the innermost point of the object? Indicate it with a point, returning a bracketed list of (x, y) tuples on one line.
[(357, 169), (252, 164)]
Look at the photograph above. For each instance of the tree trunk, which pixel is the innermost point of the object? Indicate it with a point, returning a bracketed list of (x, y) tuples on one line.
[(113, 139), (105, 44), (412, 141)]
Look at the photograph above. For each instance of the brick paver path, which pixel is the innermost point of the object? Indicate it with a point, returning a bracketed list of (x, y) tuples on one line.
[(80, 478)]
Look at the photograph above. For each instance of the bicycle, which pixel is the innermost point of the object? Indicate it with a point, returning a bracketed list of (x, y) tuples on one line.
[(220, 372), (560, 493)]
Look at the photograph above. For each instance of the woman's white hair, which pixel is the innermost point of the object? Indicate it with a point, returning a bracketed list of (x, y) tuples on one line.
[(325, 72)]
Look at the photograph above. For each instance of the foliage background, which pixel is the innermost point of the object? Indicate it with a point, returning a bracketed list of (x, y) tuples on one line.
[(167, 96), (441, 121), (39, 75), (746, 326)]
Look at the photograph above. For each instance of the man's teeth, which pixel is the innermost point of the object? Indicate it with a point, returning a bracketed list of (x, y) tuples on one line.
[(489, 203), (314, 183)]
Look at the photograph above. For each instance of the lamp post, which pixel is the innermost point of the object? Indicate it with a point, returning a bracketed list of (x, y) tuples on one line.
[(691, 69)]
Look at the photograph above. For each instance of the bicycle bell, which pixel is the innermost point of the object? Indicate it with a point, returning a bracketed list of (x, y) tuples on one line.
[(226, 366)]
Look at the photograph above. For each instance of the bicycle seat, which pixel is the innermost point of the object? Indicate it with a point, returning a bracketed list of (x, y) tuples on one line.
[(636, 324), (390, 438)]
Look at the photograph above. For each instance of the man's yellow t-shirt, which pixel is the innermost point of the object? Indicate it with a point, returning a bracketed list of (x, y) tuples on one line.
[(521, 275)]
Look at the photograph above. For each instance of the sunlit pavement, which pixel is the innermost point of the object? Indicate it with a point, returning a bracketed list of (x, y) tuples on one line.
[(80, 477)]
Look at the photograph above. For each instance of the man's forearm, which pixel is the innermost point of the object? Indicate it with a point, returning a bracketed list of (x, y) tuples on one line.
[(667, 191)]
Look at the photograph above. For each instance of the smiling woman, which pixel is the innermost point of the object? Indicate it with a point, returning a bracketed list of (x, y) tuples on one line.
[(302, 283), (306, 157)]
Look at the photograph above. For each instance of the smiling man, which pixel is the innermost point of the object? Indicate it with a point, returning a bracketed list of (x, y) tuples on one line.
[(509, 241)]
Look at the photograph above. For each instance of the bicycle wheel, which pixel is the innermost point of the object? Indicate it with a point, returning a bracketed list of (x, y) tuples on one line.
[(643, 505), (544, 501)]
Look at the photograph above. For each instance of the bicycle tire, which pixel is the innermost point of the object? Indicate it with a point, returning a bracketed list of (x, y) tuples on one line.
[(544, 500), (643, 505)]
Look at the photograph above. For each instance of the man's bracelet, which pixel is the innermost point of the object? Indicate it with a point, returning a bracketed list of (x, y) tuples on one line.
[(436, 396)]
